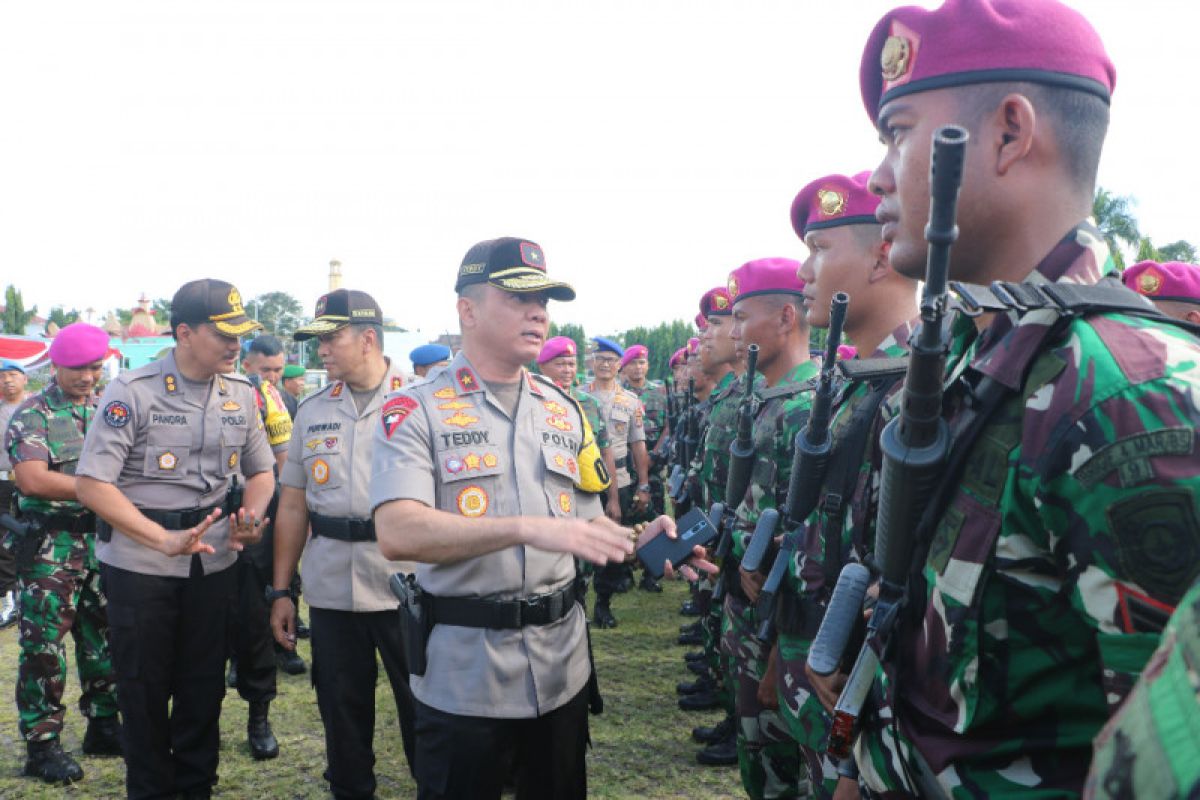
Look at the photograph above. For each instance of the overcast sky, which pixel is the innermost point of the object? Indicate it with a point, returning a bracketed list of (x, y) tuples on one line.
[(649, 146)]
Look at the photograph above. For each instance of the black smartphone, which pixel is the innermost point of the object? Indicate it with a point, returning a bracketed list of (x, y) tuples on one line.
[(693, 529)]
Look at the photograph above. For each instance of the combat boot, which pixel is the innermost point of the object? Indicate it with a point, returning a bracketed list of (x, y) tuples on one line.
[(232, 678), (690, 609), (719, 754), (47, 760), (103, 737), (263, 744), (10, 609), (649, 584), (302, 629), (691, 638), (701, 701), (702, 684), (695, 655), (715, 733), (691, 627), (290, 662), (603, 617)]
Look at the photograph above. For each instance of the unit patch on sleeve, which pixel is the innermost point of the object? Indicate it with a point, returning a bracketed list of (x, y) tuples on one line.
[(395, 411), (117, 414)]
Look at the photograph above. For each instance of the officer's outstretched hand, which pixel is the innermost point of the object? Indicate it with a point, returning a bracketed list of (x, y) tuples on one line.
[(598, 540), (184, 543), (697, 561), (245, 528)]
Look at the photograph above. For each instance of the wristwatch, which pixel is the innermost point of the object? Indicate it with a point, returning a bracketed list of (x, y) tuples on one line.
[(272, 594), (645, 487)]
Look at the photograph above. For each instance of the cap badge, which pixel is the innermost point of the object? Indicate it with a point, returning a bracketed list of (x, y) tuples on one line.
[(720, 303), (831, 202), (531, 255), (732, 287), (472, 502), (895, 58), (235, 301), (321, 305), (1149, 282)]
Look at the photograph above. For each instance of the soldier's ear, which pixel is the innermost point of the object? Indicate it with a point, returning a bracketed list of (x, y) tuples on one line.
[(1011, 130)]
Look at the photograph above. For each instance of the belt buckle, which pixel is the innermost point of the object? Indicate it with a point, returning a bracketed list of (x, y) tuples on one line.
[(530, 606)]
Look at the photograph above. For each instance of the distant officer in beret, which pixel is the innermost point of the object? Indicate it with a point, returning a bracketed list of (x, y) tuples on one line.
[(625, 418), (490, 479), (293, 382), (1173, 286), (634, 371), (324, 488), (60, 578), (164, 467), (428, 356)]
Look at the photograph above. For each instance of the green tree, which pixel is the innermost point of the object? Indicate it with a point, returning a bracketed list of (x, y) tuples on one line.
[(1178, 251), (1114, 217), (662, 341), (162, 311), (571, 331), (16, 318), (61, 317), (279, 313)]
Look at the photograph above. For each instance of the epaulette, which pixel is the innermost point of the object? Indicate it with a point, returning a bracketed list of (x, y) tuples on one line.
[(235, 376), (872, 369), (328, 387)]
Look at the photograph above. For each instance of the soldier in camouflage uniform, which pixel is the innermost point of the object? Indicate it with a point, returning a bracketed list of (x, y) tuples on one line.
[(767, 311), (1173, 286), (835, 216), (635, 365), (60, 580), (1040, 588)]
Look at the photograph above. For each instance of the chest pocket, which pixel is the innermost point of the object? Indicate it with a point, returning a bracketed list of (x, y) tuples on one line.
[(562, 471), (619, 418), (233, 442), (168, 453), (66, 443), (470, 478), (325, 463)]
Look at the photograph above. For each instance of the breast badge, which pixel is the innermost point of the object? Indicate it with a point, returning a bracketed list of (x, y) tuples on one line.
[(564, 502), (461, 420), (561, 423), (472, 502), (320, 471), (167, 461)]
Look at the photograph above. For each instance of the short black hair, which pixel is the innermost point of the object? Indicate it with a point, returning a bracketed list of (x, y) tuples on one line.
[(1079, 121), (265, 345), (359, 330)]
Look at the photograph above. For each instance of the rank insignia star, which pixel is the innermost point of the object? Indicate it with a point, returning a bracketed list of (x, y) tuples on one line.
[(490, 460), (466, 379)]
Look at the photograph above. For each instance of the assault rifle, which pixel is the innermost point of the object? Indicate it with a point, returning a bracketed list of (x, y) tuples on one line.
[(915, 446), (810, 458)]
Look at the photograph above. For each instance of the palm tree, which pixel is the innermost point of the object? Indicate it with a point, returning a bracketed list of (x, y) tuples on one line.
[(1114, 217)]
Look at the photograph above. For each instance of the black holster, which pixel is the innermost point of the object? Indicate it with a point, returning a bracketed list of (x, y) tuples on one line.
[(416, 622)]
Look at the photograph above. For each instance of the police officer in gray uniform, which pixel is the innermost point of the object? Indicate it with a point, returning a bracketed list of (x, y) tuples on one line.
[(488, 476), (160, 469), (324, 484)]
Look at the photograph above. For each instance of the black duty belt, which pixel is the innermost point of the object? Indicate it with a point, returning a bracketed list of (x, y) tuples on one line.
[(179, 520), (343, 529), (473, 612), (79, 522)]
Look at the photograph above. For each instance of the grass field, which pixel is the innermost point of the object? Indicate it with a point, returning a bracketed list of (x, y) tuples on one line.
[(641, 744)]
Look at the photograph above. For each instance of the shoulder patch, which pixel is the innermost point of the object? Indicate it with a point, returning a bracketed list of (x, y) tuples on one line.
[(1156, 538), (1130, 456), (117, 414), (395, 411)]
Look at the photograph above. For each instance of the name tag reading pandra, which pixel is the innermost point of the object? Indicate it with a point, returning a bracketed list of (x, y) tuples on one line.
[(464, 438), (169, 419)]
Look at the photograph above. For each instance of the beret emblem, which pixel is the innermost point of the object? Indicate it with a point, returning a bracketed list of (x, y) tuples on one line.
[(895, 58)]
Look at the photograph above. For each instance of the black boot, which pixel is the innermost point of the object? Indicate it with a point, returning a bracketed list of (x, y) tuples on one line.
[(258, 730), (103, 737), (695, 655), (690, 609), (691, 638), (290, 661), (603, 617), (47, 760), (231, 678), (649, 584), (702, 684), (715, 733), (691, 627), (700, 701), (719, 754)]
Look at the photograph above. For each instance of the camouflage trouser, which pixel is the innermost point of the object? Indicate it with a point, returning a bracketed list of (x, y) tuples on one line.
[(718, 664), (804, 715), (768, 757), (60, 594)]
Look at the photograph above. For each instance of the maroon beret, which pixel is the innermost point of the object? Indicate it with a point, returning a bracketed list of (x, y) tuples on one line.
[(832, 201), (716, 302), (1172, 280), (765, 276)]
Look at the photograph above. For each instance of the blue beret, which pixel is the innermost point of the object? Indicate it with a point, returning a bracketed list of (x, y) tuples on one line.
[(609, 345), (6, 365), (429, 354)]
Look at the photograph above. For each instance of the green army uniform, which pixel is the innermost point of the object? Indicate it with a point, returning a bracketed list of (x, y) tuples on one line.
[(807, 586), (767, 755), (591, 410), (1074, 523), (60, 585), (654, 420), (1151, 747)]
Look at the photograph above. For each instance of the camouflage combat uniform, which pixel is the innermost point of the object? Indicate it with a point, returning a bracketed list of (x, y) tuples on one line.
[(60, 589), (767, 755), (1073, 525), (805, 593), (654, 405), (1151, 748), (591, 410)]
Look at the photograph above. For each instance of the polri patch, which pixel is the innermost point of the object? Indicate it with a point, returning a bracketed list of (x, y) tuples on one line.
[(472, 502), (395, 411), (117, 414)]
